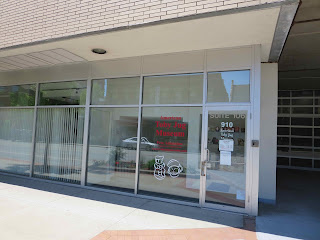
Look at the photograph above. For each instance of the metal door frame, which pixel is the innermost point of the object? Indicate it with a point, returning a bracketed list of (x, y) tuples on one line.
[(221, 109)]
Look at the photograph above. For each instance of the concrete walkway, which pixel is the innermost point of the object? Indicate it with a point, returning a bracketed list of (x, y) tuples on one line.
[(37, 210), (297, 213)]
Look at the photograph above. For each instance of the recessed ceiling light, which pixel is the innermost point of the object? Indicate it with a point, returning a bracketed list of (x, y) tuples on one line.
[(99, 51)]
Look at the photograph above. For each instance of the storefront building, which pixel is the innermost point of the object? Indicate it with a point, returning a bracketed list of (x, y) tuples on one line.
[(172, 111)]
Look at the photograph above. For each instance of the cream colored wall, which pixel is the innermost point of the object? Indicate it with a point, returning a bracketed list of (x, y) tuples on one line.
[(268, 132), (184, 62)]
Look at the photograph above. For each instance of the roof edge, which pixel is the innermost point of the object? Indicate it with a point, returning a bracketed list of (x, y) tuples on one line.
[(166, 21), (287, 14)]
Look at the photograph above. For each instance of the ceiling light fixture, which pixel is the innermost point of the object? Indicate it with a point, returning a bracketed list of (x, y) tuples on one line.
[(99, 51)]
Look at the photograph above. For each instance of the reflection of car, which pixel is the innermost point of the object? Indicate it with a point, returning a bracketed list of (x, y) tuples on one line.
[(144, 143)]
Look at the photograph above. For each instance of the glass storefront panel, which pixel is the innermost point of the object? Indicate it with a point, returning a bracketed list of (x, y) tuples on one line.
[(230, 86), (20, 95), (116, 91), (59, 144), (63, 93), (226, 175), (173, 89), (16, 140), (170, 152), (113, 148)]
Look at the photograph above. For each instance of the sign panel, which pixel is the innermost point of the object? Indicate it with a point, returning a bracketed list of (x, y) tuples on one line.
[(225, 158), (226, 145)]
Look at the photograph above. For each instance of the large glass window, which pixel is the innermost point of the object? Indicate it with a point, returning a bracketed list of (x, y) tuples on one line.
[(16, 140), (59, 139), (170, 152), (63, 93), (173, 89), (20, 95), (117, 91), (113, 148), (231, 86)]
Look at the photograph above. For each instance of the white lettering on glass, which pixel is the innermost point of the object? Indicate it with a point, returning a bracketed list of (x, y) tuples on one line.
[(159, 168), (174, 168)]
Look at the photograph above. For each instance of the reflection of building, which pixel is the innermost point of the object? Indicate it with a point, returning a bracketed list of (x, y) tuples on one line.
[(239, 93), (151, 63), (218, 89)]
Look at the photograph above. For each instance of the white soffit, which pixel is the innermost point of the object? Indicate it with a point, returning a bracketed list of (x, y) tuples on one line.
[(38, 59), (215, 32)]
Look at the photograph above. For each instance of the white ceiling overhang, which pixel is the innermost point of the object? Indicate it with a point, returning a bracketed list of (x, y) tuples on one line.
[(214, 32)]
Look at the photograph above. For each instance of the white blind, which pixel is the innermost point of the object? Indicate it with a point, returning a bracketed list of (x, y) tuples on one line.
[(59, 139), (16, 140)]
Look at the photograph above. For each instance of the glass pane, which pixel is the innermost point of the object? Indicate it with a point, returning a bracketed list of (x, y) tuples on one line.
[(301, 121), (20, 95), (63, 93), (301, 142), (302, 93), (301, 131), (58, 153), (283, 161), (283, 101), (302, 152), (283, 110), (283, 120), (170, 89), (225, 175), (16, 140), (117, 91), (284, 94), (112, 148), (170, 152), (302, 101), (283, 131), (302, 110), (300, 162), (283, 141), (232, 86)]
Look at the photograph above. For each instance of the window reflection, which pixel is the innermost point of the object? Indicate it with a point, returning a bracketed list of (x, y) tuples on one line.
[(21, 95), (112, 148), (117, 91), (170, 89), (231, 86), (169, 166), (16, 140), (63, 93)]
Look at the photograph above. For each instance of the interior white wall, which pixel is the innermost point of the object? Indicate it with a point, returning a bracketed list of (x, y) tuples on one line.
[(268, 132)]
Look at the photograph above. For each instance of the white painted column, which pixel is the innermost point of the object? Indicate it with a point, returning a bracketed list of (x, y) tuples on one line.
[(268, 132)]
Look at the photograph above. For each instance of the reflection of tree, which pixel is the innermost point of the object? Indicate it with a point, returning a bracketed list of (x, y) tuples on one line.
[(23, 97), (97, 92)]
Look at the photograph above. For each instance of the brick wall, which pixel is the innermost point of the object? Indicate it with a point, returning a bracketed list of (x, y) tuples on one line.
[(25, 21)]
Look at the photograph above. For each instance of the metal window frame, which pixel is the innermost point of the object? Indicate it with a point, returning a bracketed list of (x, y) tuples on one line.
[(251, 105)]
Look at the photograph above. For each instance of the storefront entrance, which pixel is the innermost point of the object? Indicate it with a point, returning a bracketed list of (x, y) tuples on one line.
[(173, 134), (225, 158)]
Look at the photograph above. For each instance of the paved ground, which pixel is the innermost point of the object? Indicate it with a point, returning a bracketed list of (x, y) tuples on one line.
[(31, 210), (297, 213), (63, 212)]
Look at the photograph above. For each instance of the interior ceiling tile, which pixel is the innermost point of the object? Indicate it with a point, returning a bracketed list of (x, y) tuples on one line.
[(38, 59)]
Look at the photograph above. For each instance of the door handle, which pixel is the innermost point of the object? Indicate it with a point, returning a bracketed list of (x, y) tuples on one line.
[(204, 163)]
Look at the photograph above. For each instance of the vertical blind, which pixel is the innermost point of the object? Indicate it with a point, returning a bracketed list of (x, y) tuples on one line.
[(59, 139), (16, 140)]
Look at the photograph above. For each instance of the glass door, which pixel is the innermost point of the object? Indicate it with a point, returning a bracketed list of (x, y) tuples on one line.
[(225, 158)]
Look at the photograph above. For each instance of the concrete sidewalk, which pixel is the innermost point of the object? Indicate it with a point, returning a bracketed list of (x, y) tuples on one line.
[(33, 209)]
